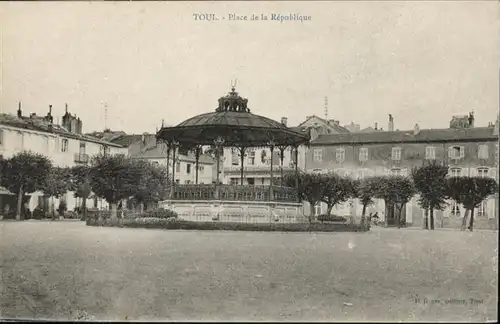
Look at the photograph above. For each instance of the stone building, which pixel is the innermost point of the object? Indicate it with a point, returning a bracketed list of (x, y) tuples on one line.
[(468, 150), (64, 144)]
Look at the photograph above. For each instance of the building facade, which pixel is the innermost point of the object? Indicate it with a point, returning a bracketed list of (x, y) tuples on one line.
[(468, 151), (147, 149), (257, 161), (64, 145)]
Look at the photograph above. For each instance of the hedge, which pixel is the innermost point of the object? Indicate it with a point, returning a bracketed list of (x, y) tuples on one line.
[(331, 218), (173, 223)]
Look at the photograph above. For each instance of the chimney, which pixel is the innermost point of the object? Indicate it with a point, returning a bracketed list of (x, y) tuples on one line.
[(19, 111), (390, 128), (416, 130), (49, 115), (66, 107), (471, 119), (376, 126), (497, 125), (284, 121)]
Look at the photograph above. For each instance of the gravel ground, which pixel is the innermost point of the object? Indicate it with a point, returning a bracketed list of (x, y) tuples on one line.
[(66, 270)]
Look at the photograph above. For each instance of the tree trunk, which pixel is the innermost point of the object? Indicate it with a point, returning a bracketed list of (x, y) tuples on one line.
[(471, 225), (399, 210), (53, 208), (426, 218), (329, 209), (363, 218), (311, 206), (83, 207), (19, 203), (114, 215), (464, 219), (432, 218)]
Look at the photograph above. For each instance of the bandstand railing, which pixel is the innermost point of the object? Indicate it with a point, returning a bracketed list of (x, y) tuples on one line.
[(233, 192)]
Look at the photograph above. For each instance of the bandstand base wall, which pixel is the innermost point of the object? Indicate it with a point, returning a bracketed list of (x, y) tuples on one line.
[(236, 211)]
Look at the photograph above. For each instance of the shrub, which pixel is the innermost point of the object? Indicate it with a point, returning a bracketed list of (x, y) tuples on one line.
[(63, 207), (158, 213), (332, 218), (38, 213)]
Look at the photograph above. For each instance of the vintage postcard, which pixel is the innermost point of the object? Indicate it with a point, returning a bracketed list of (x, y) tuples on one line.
[(304, 161)]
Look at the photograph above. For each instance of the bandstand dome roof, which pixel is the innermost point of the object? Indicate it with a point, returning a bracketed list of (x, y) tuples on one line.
[(235, 124)]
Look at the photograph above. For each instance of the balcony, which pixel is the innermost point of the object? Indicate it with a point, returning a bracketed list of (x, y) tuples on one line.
[(233, 193), (81, 158), (266, 169)]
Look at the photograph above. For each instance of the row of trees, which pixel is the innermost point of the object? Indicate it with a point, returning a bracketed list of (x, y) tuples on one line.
[(112, 178), (429, 181)]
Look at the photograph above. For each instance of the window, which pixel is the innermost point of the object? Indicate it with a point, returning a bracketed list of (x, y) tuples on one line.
[(396, 153), (482, 152), (456, 152), (177, 181), (481, 209), (340, 155), (363, 154), (318, 155), (482, 172), (234, 157), (178, 167), (251, 157), (456, 172), (396, 172), (64, 145), (455, 209), (82, 147), (251, 181), (201, 168), (234, 181), (430, 153), (317, 209), (188, 168)]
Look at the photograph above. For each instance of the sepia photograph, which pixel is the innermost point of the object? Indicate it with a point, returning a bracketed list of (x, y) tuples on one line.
[(263, 161)]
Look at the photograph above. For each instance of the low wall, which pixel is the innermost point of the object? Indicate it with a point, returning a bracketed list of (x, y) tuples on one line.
[(236, 211)]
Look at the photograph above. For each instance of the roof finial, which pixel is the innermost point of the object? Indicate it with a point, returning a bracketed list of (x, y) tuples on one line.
[(233, 86)]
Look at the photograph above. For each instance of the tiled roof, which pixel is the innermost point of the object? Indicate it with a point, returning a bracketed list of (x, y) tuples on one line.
[(424, 136), (338, 128), (160, 152), (126, 140), (41, 125)]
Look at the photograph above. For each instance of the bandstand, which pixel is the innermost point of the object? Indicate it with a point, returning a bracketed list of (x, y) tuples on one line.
[(232, 125)]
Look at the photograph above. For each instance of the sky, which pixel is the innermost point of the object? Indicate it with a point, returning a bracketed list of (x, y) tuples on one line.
[(420, 61)]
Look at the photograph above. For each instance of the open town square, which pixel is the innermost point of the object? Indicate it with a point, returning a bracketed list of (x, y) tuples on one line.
[(187, 161)]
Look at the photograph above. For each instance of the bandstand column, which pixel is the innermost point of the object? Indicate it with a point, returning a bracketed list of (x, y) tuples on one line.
[(242, 160), (282, 156), (296, 152), (197, 153), (218, 143), (168, 158), (271, 194), (174, 148)]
